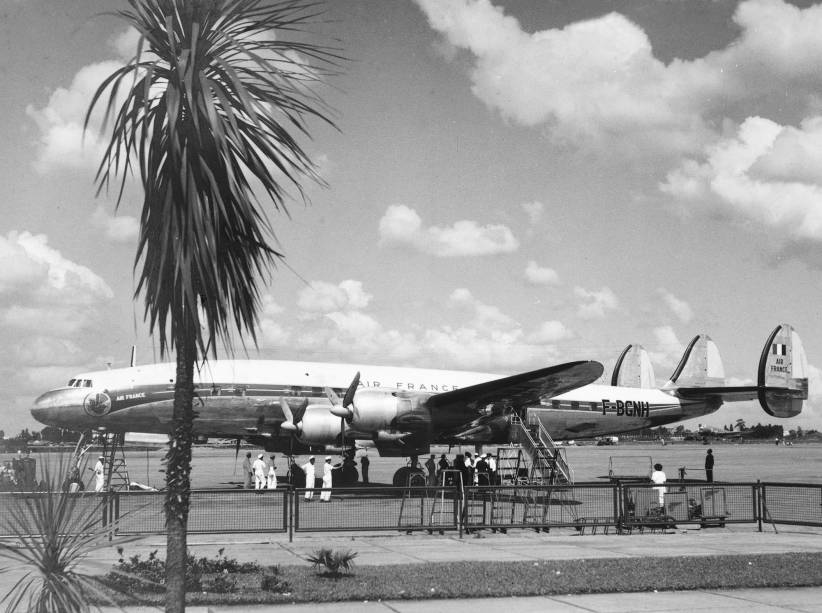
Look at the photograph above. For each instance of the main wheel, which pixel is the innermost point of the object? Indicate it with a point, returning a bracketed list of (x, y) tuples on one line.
[(406, 476)]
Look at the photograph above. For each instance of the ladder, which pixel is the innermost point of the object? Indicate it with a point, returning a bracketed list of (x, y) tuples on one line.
[(115, 461), (509, 462), (441, 514), (548, 463)]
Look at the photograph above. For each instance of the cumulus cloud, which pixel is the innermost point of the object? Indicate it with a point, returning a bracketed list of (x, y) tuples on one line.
[(323, 297), (62, 142), (402, 226), (116, 228), (678, 307), (539, 275), (533, 210), (595, 304), (598, 78), (763, 173), (550, 332), (48, 304), (666, 349)]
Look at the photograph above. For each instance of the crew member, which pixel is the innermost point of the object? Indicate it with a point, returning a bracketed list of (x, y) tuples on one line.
[(259, 472), (99, 475), (325, 496), (272, 476), (492, 468), (364, 463), (709, 466), (659, 478), (248, 472), (308, 469), (431, 467)]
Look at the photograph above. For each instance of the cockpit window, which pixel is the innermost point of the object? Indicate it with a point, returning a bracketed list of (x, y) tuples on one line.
[(80, 383), (86, 382), (71, 382)]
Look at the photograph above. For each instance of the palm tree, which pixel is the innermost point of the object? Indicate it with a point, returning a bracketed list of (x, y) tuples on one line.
[(203, 113)]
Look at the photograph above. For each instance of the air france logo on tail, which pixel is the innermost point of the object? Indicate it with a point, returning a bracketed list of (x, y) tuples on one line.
[(778, 365)]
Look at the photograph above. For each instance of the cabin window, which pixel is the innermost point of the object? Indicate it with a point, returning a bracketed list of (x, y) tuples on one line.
[(594, 406), (555, 404), (574, 405)]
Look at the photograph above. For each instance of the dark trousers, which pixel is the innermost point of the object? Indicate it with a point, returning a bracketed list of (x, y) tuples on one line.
[(709, 475)]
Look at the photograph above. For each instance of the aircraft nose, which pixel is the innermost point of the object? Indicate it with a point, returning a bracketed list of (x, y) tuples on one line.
[(61, 407)]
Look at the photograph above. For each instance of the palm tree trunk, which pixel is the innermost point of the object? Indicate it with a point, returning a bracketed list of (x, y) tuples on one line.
[(178, 471)]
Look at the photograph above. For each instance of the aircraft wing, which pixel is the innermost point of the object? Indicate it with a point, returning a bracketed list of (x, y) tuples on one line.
[(524, 389)]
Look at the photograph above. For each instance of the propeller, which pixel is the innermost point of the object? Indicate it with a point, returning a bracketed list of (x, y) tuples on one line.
[(342, 408)]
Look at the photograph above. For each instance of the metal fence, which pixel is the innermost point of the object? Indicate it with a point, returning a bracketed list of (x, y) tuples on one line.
[(696, 503), (540, 507), (798, 504), (377, 508), (436, 509)]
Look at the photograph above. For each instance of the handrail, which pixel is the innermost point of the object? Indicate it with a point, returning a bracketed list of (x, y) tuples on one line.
[(545, 455)]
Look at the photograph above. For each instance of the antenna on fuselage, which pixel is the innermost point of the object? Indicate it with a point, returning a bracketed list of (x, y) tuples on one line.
[(133, 361)]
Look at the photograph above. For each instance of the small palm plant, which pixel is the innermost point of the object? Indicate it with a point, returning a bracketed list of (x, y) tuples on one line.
[(53, 531), (335, 563)]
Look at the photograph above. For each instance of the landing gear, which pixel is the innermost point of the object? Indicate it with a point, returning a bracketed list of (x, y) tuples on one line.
[(408, 475)]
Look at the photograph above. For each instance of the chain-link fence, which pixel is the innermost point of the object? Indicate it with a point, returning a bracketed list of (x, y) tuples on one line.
[(447, 508)]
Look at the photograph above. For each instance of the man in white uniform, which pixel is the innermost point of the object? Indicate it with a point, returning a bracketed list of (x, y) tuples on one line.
[(325, 496), (272, 476), (99, 475), (308, 469), (259, 472), (659, 478)]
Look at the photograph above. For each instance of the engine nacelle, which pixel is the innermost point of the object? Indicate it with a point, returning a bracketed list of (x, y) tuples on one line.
[(377, 410), (318, 426)]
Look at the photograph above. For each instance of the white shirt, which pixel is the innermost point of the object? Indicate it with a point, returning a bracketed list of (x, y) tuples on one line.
[(259, 467)]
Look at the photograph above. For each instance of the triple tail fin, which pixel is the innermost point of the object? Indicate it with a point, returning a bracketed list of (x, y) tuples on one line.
[(782, 377)]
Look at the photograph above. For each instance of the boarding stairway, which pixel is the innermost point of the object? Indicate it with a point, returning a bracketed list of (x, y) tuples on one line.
[(548, 465), (111, 448)]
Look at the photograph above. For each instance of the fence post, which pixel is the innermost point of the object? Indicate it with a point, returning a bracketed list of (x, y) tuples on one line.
[(759, 504), (459, 506), (293, 512), (615, 488)]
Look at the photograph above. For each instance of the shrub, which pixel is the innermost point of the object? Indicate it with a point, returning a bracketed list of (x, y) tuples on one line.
[(335, 563)]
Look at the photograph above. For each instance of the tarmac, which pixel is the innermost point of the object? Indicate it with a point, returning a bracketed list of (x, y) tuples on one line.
[(421, 548)]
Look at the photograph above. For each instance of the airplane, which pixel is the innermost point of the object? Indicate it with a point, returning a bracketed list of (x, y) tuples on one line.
[(296, 407)]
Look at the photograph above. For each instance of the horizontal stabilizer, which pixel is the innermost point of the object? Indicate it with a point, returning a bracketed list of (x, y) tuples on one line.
[(633, 369), (700, 366), (783, 373)]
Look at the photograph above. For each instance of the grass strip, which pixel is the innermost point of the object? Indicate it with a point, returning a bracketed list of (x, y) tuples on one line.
[(499, 579)]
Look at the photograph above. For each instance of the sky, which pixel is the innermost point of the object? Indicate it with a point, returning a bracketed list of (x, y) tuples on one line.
[(512, 184)]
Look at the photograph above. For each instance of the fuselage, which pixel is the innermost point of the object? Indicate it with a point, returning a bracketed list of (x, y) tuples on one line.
[(238, 398)]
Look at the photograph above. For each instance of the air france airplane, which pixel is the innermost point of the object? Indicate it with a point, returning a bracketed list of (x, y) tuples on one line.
[(296, 406)]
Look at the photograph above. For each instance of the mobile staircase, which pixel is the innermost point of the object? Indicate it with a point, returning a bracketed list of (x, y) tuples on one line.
[(111, 448), (548, 470)]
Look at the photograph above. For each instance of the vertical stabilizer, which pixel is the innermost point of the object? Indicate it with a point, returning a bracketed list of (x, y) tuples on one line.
[(633, 369), (700, 366), (783, 373)]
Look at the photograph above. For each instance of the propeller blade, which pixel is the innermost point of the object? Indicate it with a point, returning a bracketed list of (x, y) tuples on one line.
[(288, 424), (348, 399)]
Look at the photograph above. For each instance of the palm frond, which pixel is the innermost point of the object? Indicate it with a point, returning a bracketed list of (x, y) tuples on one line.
[(208, 103)]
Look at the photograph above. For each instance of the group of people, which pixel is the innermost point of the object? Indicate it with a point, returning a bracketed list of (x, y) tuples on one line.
[(659, 478), (480, 469), (310, 479), (19, 472), (259, 472)]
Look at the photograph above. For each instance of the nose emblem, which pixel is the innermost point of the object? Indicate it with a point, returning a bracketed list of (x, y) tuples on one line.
[(97, 405)]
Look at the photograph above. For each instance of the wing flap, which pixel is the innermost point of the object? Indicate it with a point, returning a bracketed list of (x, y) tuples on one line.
[(523, 389)]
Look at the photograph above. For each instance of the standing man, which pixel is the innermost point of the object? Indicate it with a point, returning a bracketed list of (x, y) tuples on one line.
[(308, 469), (272, 476), (659, 478), (248, 472), (492, 468), (325, 495), (259, 472), (709, 466), (431, 467), (364, 463), (99, 475)]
